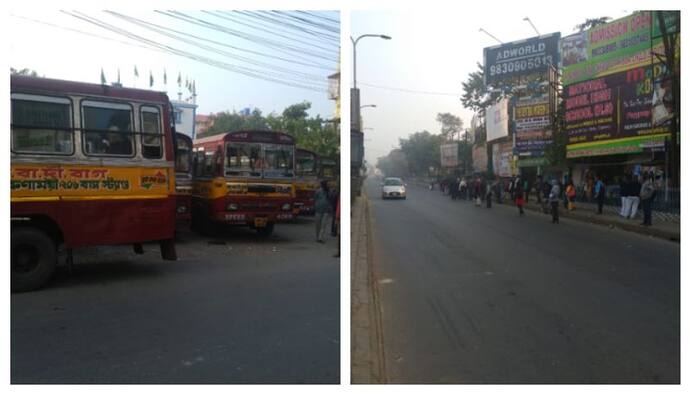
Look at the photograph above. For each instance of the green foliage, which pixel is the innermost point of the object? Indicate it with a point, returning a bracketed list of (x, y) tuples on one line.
[(450, 124), (24, 71), (476, 94), (589, 23), (422, 150), (394, 164), (314, 134)]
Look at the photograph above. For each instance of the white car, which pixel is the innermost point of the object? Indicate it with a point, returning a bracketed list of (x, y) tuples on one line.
[(393, 188)]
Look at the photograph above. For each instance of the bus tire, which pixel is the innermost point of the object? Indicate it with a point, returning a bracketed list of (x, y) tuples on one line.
[(265, 231), (33, 258)]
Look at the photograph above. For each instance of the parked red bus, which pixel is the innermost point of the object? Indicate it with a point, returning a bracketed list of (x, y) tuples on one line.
[(90, 165), (243, 178), (306, 181), (183, 178)]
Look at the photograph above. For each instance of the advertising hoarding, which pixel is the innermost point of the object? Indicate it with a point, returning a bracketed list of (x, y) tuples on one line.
[(479, 159), (532, 125), (502, 159), (497, 120), (533, 55), (620, 45), (449, 155)]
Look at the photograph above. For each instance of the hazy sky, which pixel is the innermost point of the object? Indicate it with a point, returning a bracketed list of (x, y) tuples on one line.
[(55, 52), (434, 49)]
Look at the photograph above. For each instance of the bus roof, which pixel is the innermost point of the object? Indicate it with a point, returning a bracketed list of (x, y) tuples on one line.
[(273, 137), (28, 84)]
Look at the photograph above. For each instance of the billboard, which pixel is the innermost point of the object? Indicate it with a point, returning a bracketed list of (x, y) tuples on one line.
[(502, 159), (532, 125), (480, 160), (616, 106), (449, 155), (620, 45), (533, 55), (497, 120)]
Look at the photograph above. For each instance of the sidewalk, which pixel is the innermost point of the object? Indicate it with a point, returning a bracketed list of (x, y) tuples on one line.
[(366, 351)]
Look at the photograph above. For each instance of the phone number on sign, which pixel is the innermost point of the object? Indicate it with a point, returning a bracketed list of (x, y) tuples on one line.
[(520, 65)]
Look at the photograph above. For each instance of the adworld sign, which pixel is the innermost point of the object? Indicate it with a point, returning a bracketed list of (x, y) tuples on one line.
[(533, 55)]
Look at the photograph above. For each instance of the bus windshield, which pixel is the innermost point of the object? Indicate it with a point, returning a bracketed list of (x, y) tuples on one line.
[(279, 161), (183, 158), (243, 159), (306, 165)]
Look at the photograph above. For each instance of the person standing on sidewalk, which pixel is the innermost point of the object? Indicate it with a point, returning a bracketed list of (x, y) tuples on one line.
[(322, 209), (554, 200), (489, 192), (570, 194), (634, 196), (647, 193), (625, 196), (519, 195), (599, 194)]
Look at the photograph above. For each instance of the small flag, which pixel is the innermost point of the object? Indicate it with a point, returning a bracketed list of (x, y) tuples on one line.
[(118, 75), (150, 78), (193, 87), (179, 79), (103, 82), (165, 77), (136, 72)]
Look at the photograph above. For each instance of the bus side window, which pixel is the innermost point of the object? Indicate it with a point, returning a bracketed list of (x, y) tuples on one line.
[(208, 164), (107, 129), (43, 127), (151, 146)]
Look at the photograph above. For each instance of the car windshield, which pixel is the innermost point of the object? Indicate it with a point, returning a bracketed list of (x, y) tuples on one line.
[(392, 182)]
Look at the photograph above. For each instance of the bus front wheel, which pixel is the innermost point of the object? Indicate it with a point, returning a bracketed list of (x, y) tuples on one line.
[(33, 258), (265, 231)]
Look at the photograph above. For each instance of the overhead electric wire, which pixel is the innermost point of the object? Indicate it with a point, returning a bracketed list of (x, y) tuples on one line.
[(189, 55), (228, 18), (255, 39), (87, 33), (271, 67), (265, 16), (314, 14), (275, 27), (409, 90), (308, 22), (306, 62)]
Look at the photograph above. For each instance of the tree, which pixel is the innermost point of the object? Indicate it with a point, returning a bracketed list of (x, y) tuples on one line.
[(422, 150), (590, 23), (450, 124), (24, 71), (476, 95)]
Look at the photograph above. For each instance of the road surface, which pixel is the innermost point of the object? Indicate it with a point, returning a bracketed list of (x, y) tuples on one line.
[(234, 309), (477, 295)]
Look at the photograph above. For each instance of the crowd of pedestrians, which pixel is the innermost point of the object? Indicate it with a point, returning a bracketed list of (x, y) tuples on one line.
[(549, 193)]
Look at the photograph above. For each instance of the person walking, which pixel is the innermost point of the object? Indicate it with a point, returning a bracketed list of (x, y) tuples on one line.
[(554, 200), (489, 193), (322, 209), (545, 192), (647, 193), (526, 187), (570, 194), (634, 196), (519, 195), (599, 194)]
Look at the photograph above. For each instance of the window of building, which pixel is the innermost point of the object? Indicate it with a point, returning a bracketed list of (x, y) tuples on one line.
[(107, 129), (178, 117), (41, 125), (151, 137)]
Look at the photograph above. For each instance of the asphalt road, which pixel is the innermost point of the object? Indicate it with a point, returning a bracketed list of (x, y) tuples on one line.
[(233, 309), (472, 295)]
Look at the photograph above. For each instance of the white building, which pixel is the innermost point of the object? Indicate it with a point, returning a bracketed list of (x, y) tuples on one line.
[(185, 114)]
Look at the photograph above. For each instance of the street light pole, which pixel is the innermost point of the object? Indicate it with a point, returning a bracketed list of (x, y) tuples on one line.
[(490, 35), (354, 52), (532, 24)]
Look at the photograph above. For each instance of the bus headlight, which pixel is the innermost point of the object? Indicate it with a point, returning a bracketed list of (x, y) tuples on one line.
[(286, 207), (233, 207)]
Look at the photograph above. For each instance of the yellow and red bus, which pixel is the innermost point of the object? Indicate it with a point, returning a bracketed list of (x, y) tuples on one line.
[(306, 180), (90, 165), (243, 178), (183, 178)]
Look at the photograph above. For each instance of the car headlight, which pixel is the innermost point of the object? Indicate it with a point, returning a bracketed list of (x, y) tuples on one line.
[(286, 207), (233, 207)]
